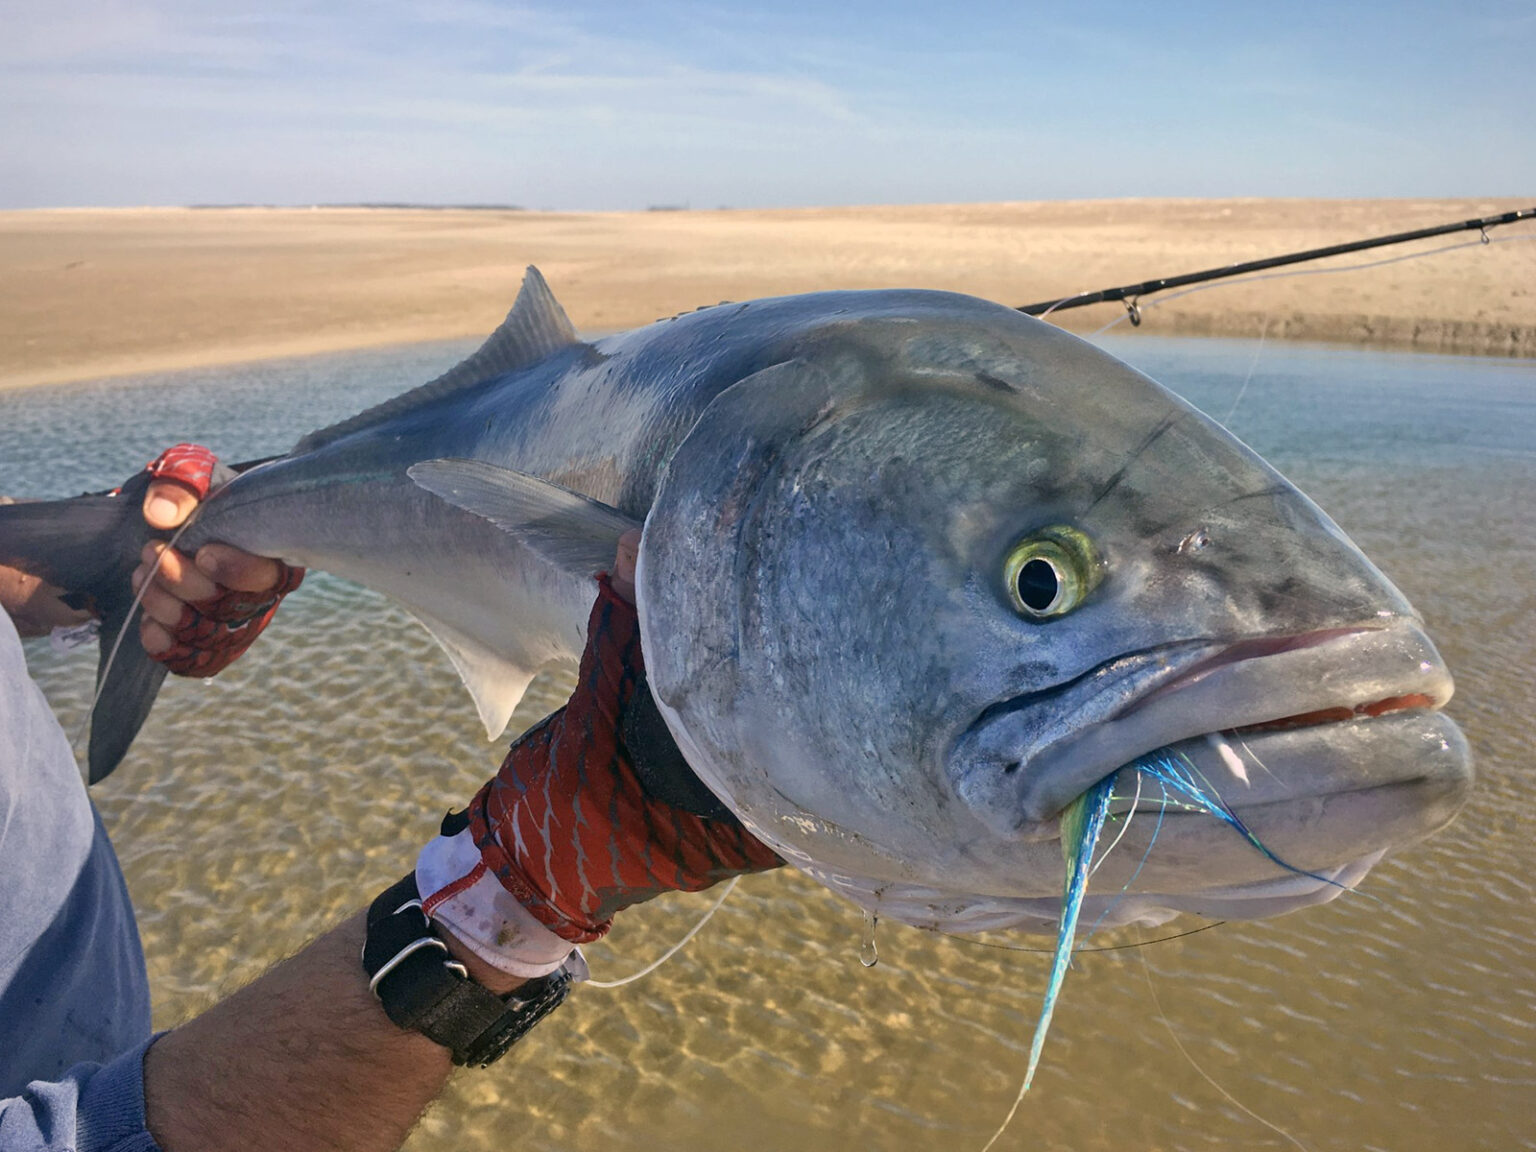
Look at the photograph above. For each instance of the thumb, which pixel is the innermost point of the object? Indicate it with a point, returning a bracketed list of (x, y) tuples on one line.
[(167, 503), (622, 578)]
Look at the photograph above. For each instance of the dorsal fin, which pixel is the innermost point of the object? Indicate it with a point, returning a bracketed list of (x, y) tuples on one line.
[(536, 328)]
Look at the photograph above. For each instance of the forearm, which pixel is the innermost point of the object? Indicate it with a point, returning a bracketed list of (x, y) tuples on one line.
[(303, 1058)]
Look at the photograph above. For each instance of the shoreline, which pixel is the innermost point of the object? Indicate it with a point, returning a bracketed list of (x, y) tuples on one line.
[(91, 294), (1341, 332)]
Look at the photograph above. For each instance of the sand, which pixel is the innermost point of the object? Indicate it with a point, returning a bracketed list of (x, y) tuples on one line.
[(96, 293)]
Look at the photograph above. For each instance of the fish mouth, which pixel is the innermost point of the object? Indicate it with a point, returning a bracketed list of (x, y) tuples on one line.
[(1345, 719)]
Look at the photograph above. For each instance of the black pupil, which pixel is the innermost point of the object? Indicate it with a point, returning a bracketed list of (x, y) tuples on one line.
[(1038, 585)]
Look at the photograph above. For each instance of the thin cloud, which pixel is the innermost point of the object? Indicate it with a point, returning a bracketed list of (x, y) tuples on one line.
[(610, 105)]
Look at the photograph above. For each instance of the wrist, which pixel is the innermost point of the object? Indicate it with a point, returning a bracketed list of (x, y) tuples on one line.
[(493, 979), (425, 987), (466, 898)]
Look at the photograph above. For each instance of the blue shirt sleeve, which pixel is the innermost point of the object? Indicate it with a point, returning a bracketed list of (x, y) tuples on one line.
[(93, 1108)]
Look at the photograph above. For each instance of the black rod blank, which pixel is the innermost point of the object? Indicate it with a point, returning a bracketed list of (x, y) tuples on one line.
[(1133, 292)]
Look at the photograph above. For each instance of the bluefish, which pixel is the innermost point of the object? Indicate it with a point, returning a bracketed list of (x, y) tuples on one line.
[(917, 572)]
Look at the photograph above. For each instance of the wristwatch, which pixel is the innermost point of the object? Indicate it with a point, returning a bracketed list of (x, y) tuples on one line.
[(424, 989)]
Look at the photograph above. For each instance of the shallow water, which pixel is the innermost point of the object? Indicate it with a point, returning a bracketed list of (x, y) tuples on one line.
[(258, 808)]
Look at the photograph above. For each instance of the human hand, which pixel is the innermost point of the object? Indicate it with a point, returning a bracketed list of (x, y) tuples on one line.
[(199, 614), (593, 810), (35, 606)]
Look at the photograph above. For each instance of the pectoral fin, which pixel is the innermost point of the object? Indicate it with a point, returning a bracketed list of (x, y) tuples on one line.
[(564, 528)]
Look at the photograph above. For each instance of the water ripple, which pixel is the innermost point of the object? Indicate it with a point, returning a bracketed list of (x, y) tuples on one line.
[(258, 809)]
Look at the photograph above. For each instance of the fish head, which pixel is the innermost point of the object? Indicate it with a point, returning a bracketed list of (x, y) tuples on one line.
[(909, 593)]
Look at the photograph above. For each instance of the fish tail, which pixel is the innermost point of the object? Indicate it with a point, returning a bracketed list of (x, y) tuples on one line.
[(89, 546)]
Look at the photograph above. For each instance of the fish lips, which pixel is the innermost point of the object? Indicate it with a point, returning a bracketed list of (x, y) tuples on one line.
[(1320, 798), (1023, 760)]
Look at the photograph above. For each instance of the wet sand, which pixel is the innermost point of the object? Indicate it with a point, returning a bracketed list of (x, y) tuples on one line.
[(97, 293)]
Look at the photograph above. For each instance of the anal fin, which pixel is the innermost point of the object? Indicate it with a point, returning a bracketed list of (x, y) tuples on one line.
[(495, 682)]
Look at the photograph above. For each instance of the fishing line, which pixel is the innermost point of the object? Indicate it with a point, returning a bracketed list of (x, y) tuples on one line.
[(1162, 811), (1248, 748), (726, 890), (1156, 830), (1252, 364), (1124, 828), (1082, 951), (1146, 970)]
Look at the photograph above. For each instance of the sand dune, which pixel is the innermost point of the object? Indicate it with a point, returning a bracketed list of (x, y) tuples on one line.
[(91, 293)]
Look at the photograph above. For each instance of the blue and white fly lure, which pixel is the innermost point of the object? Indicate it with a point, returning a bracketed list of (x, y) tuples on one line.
[(1082, 823), (1178, 774)]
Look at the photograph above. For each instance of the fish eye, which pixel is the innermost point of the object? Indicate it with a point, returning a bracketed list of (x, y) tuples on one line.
[(1051, 572)]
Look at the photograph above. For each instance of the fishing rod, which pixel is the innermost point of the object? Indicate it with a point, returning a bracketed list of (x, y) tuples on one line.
[(1130, 294)]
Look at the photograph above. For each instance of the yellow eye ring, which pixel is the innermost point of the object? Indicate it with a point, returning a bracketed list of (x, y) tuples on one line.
[(1051, 572)]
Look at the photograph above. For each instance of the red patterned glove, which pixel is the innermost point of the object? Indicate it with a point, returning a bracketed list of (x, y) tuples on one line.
[(189, 464), (572, 829), (213, 633)]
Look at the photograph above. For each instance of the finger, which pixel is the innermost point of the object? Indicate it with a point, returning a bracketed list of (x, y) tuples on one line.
[(233, 568), (167, 503), (153, 636), (178, 575), (161, 606)]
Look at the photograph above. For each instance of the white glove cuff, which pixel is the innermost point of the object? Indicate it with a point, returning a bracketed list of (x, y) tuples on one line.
[(460, 893)]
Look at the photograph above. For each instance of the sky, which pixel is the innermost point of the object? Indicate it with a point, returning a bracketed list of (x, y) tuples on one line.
[(758, 103)]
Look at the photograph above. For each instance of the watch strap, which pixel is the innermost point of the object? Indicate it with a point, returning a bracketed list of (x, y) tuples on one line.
[(424, 989)]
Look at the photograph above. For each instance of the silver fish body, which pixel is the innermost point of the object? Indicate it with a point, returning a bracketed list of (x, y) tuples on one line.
[(829, 633), (832, 487)]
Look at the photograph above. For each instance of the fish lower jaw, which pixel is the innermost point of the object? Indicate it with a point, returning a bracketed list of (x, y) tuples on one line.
[(1317, 754), (1229, 764), (1223, 763), (1318, 798)]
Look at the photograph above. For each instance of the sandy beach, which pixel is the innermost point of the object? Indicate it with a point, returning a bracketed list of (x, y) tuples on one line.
[(96, 293)]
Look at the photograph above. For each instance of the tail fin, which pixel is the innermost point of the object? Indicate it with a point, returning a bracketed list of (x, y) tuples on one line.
[(127, 682), (89, 546)]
